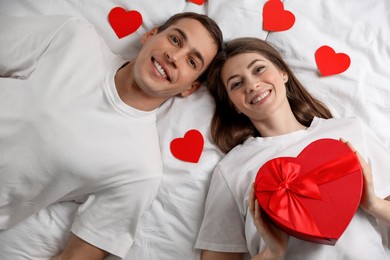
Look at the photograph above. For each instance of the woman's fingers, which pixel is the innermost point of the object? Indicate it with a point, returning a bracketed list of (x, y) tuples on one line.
[(257, 210), (251, 200)]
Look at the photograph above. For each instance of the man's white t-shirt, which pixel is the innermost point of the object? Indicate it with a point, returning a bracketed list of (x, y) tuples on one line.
[(228, 225), (65, 134)]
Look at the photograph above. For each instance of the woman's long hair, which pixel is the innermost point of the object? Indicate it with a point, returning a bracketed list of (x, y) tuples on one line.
[(230, 128)]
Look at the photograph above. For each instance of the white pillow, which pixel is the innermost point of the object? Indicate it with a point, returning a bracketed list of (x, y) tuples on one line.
[(238, 18)]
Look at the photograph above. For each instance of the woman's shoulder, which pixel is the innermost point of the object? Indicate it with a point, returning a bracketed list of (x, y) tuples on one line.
[(339, 121), (235, 153), (251, 151)]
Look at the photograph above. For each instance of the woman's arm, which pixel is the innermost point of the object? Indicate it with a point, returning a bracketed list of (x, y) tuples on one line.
[(370, 203), (380, 209), (276, 241), (78, 249)]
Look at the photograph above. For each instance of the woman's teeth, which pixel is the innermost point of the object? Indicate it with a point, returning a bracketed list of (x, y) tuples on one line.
[(261, 97)]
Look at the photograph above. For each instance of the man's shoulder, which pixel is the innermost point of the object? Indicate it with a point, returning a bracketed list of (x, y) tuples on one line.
[(77, 27), (80, 36), (24, 39)]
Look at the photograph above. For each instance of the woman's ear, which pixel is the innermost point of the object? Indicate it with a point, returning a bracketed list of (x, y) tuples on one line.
[(285, 76), (148, 34), (194, 86)]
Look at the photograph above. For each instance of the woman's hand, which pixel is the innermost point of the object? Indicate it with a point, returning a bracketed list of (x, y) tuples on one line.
[(370, 203), (369, 198), (276, 240)]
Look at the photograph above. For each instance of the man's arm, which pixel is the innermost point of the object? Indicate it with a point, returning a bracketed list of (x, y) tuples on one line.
[(211, 255), (23, 40), (78, 249)]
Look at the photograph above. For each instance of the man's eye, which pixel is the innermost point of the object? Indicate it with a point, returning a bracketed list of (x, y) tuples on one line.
[(175, 40)]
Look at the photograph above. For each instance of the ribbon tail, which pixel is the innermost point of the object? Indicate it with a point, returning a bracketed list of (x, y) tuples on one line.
[(300, 217), (279, 204)]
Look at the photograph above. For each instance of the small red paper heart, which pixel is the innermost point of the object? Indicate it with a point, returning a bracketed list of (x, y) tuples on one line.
[(306, 196), (189, 148), (124, 22), (329, 62), (198, 2), (275, 18)]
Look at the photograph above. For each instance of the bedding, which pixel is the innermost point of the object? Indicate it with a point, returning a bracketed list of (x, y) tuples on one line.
[(355, 34)]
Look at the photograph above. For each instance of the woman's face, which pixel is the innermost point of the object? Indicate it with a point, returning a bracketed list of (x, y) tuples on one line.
[(255, 85)]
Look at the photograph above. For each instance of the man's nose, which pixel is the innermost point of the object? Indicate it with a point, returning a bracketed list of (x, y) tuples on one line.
[(174, 56)]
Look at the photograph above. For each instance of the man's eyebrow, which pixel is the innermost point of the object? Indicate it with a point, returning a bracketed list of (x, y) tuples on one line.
[(195, 51)]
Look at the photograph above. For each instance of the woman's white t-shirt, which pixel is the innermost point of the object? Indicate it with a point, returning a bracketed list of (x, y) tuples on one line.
[(228, 226)]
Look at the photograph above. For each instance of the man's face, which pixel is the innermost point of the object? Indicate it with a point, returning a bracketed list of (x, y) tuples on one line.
[(170, 61)]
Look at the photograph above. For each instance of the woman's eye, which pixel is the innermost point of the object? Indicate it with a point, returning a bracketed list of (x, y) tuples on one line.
[(259, 69), (192, 63), (235, 85)]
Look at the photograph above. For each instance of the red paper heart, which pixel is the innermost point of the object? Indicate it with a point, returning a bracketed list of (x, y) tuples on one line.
[(312, 196), (198, 2), (275, 18), (124, 22), (189, 148), (329, 62)]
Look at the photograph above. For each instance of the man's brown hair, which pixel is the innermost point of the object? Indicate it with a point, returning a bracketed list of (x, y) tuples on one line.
[(210, 25)]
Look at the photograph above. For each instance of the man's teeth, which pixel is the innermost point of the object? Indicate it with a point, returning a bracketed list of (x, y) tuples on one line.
[(261, 97), (160, 69)]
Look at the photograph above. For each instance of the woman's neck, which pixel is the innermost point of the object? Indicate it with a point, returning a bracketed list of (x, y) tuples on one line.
[(279, 124)]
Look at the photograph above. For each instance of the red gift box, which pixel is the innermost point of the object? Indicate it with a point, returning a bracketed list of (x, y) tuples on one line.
[(312, 196)]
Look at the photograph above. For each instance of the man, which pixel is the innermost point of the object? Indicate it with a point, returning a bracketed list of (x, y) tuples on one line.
[(78, 124)]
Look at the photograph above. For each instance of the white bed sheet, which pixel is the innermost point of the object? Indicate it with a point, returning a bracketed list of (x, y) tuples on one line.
[(168, 231), (360, 29)]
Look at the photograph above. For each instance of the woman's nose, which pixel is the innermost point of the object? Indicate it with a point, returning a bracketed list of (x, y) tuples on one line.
[(252, 86)]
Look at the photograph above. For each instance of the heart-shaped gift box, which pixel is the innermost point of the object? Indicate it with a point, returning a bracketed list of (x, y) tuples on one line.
[(312, 196)]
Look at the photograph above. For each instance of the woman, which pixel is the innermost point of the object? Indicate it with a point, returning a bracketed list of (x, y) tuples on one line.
[(264, 112)]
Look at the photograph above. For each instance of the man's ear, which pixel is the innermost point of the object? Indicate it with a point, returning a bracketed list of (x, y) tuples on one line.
[(194, 86), (148, 34)]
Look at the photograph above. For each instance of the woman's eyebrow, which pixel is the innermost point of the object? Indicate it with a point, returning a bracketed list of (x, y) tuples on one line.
[(253, 62), (248, 67), (230, 78)]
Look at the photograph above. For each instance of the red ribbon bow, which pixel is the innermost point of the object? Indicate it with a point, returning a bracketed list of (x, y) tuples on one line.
[(288, 186)]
